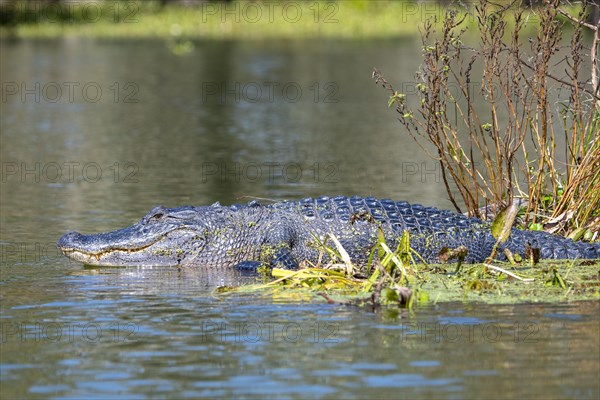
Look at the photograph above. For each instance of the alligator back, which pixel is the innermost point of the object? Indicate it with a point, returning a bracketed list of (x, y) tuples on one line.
[(398, 215)]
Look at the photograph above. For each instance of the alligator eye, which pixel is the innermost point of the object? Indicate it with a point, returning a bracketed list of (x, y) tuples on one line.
[(157, 216)]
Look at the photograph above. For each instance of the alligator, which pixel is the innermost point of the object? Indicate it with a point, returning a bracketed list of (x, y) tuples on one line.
[(289, 233)]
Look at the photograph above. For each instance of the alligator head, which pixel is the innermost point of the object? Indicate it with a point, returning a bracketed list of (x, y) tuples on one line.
[(164, 237)]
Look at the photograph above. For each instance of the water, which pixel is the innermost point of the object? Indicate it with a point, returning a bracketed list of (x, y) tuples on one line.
[(115, 128)]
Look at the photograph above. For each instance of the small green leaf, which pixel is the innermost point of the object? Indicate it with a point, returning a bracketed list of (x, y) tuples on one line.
[(451, 150), (404, 248), (389, 296), (577, 233), (380, 235), (536, 227), (504, 222), (557, 280), (396, 97)]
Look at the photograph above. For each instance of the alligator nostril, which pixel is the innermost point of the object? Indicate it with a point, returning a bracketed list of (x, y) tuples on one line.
[(69, 240)]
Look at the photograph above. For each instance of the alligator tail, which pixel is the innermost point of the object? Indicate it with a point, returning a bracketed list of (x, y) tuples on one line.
[(551, 246)]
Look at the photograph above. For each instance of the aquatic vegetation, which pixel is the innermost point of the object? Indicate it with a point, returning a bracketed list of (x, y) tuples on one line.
[(500, 120), (400, 279)]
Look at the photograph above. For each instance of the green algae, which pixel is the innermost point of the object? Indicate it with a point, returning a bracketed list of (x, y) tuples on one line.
[(397, 279), (550, 281)]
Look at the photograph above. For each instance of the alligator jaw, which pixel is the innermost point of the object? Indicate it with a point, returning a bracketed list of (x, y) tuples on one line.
[(95, 250), (99, 258)]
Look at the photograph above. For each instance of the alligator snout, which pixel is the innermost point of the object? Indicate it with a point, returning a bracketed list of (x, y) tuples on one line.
[(90, 244), (127, 239), (71, 240), (129, 246)]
